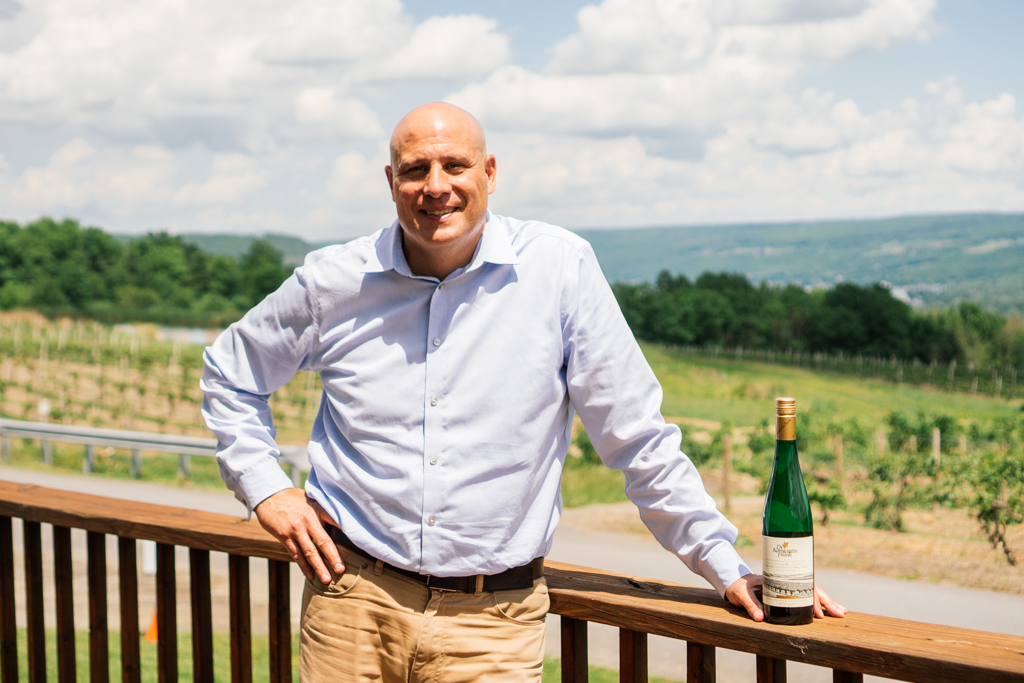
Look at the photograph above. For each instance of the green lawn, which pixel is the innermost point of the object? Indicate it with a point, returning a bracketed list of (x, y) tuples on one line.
[(743, 392), (221, 660)]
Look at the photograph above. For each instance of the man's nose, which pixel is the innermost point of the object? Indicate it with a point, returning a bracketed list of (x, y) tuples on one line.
[(437, 182)]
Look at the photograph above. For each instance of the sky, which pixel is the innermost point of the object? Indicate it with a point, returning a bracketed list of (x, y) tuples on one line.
[(259, 116)]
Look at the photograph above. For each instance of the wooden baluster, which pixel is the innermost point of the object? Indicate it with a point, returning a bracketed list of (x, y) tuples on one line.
[(34, 602), (280, 622), (202, 616), (166, 614), (771, 670), (63, 575), (128, 580), (846, 677), (574, 651), (99, 651), (8, 630), (632, 656), (241, 624), (700, 663)]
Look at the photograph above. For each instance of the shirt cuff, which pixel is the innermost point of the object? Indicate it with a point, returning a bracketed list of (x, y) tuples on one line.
[(260, 482), (723, 567)]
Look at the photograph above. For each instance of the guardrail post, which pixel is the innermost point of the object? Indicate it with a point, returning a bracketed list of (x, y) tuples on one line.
[(5, 447), (700, 663), (136, 463), (90, 455), (574, 651), (771, 670), (632, 656), (47, 452), (183, 465)]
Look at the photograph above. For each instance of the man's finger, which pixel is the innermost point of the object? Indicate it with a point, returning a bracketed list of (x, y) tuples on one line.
[(824, 604), (750, 602), (328, 548), (312, 555), (300, 559)]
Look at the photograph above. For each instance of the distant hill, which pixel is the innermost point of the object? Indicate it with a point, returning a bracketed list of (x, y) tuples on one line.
[(294, 248), (933, 260)]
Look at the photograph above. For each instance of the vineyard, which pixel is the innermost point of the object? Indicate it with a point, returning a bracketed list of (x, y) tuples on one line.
[(872, 445), (88, 374)]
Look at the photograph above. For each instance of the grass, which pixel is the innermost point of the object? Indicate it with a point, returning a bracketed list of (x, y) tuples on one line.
[(743, 392), (221, 660)]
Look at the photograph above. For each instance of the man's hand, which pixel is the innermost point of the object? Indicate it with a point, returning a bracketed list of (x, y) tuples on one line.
[(295, 520), (742, 594)]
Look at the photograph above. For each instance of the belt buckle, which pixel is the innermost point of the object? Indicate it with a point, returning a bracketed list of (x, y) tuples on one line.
[(438, 588)]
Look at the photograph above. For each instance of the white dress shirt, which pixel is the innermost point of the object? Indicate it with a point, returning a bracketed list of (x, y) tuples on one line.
[(448, 406)]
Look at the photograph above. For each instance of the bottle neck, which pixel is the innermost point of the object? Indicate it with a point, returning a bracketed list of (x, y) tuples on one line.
[(785, 427)]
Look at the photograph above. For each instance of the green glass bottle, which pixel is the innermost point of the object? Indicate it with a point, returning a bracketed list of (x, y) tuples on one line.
[(787, 530)]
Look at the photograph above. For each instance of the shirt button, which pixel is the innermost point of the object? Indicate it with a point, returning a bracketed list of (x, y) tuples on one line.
[(433, 461), (437, 342), (433, 401), (430, 521)]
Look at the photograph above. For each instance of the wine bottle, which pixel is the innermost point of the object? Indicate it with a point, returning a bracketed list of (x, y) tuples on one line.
[(787, 531)]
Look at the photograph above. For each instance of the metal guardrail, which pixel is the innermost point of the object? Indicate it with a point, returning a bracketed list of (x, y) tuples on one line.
[(136, 442)]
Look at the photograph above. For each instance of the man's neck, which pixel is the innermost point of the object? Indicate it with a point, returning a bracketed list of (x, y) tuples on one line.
[(440, 261)]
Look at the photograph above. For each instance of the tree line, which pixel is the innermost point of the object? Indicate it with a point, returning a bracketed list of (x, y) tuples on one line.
[(726, 309), (63, 267)]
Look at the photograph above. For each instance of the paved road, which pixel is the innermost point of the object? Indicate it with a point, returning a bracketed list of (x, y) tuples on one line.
[(625, 553)]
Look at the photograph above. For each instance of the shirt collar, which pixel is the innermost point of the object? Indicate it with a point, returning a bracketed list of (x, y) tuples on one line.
[(495, 247)]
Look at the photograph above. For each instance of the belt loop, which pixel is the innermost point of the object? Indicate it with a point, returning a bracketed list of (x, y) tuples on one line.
[(479, 585), (378, 569)]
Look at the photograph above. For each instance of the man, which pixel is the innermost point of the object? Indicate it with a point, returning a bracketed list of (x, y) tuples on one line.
[(454, 347)]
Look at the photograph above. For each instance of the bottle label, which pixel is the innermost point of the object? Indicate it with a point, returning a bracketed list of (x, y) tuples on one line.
[(788, 569)]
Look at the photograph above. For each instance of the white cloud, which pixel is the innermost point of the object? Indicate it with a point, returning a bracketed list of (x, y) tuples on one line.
[(234, 178), (78, 175)]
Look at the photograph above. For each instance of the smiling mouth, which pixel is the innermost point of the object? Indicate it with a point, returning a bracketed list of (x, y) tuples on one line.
[(439, 212)]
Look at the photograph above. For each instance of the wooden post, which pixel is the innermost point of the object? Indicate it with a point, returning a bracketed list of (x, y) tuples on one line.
[(700, 663), (727, 471), (771, 670), (8, 626), (632, 656), (936, 446), (65, 604), (202, 616), (280, 622), (32, 533), (99, 651), (166, 614), (241, 623), (128, 585), (574, 651)]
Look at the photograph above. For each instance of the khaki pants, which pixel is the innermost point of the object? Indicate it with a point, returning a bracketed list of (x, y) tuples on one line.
[(366, 626)]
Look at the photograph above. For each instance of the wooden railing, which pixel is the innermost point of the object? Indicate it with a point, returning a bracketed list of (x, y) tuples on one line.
[(857, 645)]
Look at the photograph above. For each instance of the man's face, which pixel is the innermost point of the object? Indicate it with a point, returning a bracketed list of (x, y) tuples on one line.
[(440, 178)]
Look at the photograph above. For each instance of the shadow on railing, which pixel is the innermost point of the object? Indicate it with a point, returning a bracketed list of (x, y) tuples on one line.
[(857, 645)]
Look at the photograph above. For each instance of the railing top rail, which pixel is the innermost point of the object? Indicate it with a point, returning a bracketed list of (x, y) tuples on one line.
[(148, 441), (863, 643)]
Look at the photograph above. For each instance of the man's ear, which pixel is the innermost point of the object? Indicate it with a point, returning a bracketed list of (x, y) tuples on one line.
[(391, 182), (491, 169)]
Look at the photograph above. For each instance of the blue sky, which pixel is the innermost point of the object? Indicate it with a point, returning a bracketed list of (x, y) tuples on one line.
[(151, 114)]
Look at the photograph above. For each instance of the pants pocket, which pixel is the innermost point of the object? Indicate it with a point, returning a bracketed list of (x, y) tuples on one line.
[(526, 606)]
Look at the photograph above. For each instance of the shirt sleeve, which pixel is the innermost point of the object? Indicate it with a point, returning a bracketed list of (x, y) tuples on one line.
[(247, 363), (612, 387)]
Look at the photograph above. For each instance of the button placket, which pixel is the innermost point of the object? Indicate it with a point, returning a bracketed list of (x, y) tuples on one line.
[(433, 442)]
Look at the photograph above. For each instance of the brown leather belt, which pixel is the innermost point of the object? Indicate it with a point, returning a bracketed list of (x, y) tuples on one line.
[(515, 578)]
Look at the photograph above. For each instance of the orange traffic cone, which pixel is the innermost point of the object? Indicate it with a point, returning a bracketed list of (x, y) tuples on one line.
[(150, 634)]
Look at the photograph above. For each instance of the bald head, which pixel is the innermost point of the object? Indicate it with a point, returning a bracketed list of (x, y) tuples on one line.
[(437, 120)]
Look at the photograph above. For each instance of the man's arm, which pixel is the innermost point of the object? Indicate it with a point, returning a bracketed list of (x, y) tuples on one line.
[(244, 366)]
